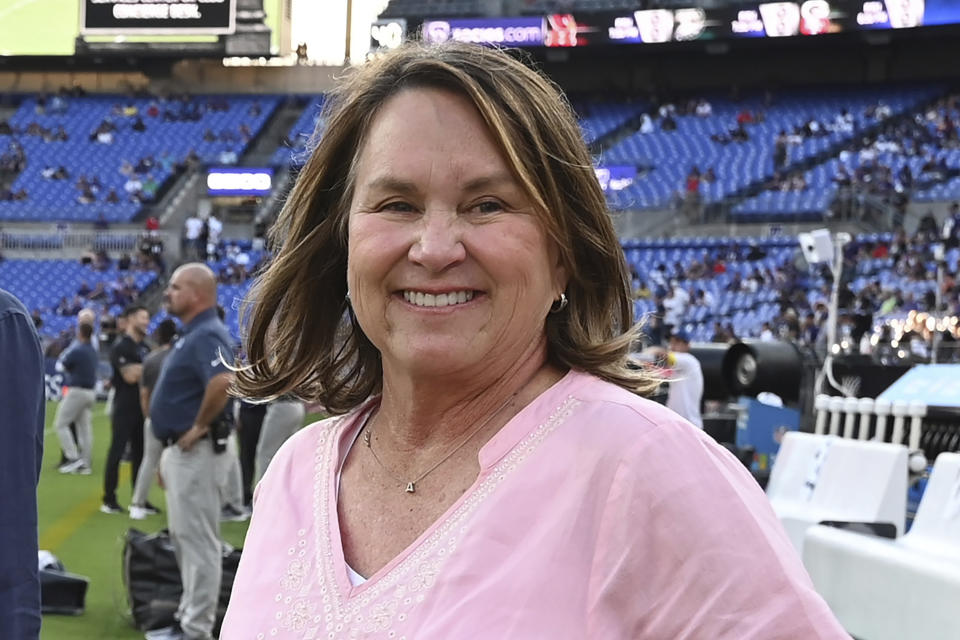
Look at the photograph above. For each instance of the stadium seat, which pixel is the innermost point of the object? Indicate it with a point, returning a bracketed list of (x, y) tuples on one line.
[(909, 587), (817, 478)]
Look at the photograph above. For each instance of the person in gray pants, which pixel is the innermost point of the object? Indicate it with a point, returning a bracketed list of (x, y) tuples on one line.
[(80, 362), (283, 418), (186, 413), (140, 507)]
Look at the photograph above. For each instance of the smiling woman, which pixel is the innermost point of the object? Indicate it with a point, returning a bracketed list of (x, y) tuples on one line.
[(449, 279)]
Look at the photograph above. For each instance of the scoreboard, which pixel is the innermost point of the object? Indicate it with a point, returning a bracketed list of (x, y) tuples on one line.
[(212, 17)]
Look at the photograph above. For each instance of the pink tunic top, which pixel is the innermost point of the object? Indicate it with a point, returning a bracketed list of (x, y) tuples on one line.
[(596, 514)]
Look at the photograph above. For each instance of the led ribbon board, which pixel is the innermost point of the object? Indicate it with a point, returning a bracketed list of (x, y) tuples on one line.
[(106, 17)]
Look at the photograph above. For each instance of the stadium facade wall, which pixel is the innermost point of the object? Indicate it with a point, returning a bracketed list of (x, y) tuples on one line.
[(186, 75), (93, 81)]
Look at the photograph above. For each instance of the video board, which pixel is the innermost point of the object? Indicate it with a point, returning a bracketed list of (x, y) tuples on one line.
[(647, 26), (239, 181), (104, 17)]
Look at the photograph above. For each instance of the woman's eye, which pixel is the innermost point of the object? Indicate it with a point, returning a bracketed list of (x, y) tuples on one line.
[(487, 206), (398, 206)]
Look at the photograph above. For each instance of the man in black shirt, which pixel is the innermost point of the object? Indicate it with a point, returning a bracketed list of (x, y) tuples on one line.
[(126, 419)]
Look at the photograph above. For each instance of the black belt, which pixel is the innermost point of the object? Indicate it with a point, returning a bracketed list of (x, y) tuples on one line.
[(171, 440)]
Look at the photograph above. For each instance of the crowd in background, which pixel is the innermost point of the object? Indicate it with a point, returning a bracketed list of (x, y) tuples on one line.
[(906, 281)]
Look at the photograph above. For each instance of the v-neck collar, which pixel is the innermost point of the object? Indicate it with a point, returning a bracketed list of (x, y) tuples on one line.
[(544, 413)]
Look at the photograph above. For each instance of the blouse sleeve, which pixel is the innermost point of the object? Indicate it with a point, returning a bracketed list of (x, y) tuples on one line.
[(689, 547)]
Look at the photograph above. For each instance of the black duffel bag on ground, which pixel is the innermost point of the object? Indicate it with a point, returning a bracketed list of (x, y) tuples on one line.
[(152, 579)]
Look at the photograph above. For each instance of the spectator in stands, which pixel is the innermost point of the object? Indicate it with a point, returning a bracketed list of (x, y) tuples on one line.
[(739, 134), (703, 109), (809, 330), (98, 293), (766, 333), (101, 261), (139, 125), (227, 156), (719, 333), (144, 164), (646, 123), (150, 187), (780, 151), (133, 186), (192, 227), (214, 233), (691, 199), (86, 197), (668, 122), (674, 306), (415, 117), (704, 299), (951, 226)]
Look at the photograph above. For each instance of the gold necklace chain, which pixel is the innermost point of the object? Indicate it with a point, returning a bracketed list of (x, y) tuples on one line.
[(411, 485)]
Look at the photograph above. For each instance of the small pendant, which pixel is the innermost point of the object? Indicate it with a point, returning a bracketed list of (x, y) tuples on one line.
[(411, 488)]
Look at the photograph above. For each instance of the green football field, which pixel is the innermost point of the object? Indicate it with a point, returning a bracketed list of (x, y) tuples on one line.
[(90, 543)]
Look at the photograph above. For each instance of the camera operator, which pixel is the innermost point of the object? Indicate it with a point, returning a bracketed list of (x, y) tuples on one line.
[(187, 411)]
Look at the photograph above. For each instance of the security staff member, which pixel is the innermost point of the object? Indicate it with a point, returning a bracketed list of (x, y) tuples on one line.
[(190, 394), (126, 416), (80, 362)]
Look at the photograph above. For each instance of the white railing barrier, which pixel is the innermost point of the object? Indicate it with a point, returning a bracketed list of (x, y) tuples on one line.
[(917, 412), (836, 408), (852, 417), (882, 409), (865, 407), (821, 403), (850, 408), (900, 411)]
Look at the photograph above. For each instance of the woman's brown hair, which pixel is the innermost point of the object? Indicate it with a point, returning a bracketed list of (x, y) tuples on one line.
[(301, 335)]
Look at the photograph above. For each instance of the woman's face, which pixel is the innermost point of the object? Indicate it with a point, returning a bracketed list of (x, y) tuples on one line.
[(449, 269)]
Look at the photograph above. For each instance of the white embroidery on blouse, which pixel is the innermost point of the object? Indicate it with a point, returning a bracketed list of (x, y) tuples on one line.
[(309, 603)]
